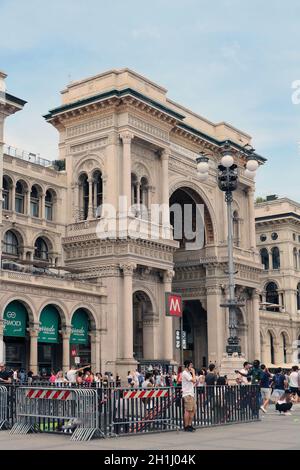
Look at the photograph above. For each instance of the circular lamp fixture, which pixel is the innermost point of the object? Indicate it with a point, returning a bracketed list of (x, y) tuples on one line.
[(252, 165), (202, 167), (202, 176), (250, 174), (227, 160)]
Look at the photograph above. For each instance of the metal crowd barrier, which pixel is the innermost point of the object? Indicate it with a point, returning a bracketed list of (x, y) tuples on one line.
[(3, 407), (85, 412), (64, 410)]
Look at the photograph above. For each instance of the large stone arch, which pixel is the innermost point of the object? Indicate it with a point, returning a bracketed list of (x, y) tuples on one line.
[(23, 299), (144, 324), (184, 183), (141, 287), (61, 308), (94, 320)]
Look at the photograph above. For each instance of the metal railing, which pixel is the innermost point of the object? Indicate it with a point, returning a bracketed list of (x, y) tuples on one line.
[(25, 155), (127, 411)]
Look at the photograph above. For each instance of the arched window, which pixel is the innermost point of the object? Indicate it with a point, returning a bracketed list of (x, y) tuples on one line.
[(84, 196), (134, 189), (20, 197), (283, 342), (298, 296), (272, 297), (97, 193), (5, 194), (275, 258), (34, 202), (264, 255), (272, 351), (10, 244), (236, 228), (49, 202), (295, 258), (41, 250)]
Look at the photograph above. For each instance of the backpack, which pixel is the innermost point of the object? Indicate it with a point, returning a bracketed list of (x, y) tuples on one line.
[(278, 381)]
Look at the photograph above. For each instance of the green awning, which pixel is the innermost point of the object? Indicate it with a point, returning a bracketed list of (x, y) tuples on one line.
[(49, 325), (14, 319), (79, 328)]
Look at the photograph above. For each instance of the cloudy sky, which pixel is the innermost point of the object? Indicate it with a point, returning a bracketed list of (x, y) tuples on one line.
[(226, 60)]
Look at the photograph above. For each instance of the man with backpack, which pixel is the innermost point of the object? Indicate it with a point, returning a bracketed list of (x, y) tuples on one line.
[(279, 384)]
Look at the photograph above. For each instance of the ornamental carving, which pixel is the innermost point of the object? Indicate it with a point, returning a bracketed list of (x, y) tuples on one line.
[(126, 137), (90, 126), (91, 145), (148, 128), (128, 268)]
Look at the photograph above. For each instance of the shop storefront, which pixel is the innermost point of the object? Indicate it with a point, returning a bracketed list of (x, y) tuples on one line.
[(49, 341), (16, 341), (80, 344)]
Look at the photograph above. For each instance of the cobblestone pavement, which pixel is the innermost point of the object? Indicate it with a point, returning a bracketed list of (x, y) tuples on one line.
[(274, 431)]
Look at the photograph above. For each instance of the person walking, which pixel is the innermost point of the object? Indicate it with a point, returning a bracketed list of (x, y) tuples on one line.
[(188, 395), (265, 389)]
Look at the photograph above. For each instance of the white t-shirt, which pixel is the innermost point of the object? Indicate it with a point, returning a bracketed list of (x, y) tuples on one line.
[(187, 384), (71, 376), (294, 379), (244, 380)]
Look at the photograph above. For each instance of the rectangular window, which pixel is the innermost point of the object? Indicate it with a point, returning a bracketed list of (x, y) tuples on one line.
[(19, 205), (34, 209), (48, 212)]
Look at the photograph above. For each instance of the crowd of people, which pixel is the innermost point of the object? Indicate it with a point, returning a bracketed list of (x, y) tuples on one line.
[(280, 387)]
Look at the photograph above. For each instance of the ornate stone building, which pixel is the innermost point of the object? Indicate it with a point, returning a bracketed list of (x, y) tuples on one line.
[(120, 135), (278, 239)]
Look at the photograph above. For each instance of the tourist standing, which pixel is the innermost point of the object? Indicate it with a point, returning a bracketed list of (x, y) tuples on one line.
[(5, 374), (188, 395), (279, 383)]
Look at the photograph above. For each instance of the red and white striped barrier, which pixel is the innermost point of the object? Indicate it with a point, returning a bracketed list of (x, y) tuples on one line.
[(49, 394), (146, 394)]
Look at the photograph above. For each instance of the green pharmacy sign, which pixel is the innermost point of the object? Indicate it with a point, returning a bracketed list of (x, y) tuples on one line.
[(80, 328), (14, 319), (48, 325)]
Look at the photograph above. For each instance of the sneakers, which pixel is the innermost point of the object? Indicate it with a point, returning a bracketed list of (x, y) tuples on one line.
[(189, 429), (287, 413), (263, 409)]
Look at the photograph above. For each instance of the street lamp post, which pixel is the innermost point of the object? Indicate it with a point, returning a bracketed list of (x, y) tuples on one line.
[(228, 182)]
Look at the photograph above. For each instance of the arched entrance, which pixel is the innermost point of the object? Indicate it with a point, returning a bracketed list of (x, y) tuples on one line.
[(80, 339), (143, 327), (187, 220), (195, 333), (15, 335), (49, 341)]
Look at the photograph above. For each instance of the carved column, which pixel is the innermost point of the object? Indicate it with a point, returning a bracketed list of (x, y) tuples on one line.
[(251, 219), (43, 208), (126, 138), (256, 324), (76, 201), (33, 358), (168, 340), (26, 202), (126, 315), (165, 155), (215, 324), (66, 333), (12, 206), (95, 351), (90, 211)]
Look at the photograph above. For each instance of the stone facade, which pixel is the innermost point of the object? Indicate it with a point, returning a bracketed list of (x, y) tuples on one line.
[(120, 135)]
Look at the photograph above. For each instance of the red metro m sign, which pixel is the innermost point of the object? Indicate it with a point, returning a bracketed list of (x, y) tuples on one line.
[(173, 305)]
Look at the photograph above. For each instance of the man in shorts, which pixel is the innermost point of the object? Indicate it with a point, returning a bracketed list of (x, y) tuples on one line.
[(188, 395)]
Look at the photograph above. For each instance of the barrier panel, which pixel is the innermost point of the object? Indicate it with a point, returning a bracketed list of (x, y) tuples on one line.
[(90, 411), (3, 408), (57, 410)]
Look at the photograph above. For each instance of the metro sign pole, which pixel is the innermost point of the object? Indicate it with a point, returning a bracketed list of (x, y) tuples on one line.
[(174, 309)]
